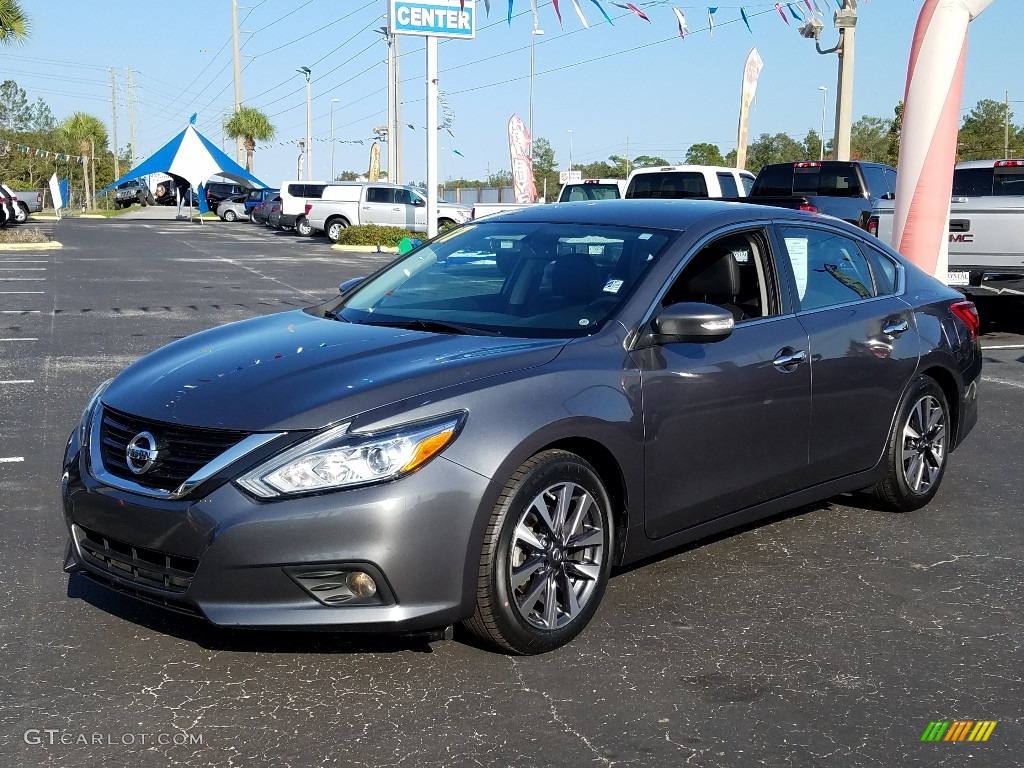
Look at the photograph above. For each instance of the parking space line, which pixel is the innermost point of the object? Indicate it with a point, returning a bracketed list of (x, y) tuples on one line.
[(20, 311), (1005, 346), (26, 339), (11, 293), (1004, 382), (11, 459), (22, 269), (19, 381), (22, 279)]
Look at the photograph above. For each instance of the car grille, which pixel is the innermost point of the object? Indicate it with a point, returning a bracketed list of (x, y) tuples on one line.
[(144, 567), (183, 451)]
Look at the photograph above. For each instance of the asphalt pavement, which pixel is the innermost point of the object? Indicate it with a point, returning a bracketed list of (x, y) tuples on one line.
[(829, 636)]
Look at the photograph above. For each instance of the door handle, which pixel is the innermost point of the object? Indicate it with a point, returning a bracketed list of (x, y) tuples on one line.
[(897, 328), (788, 359)]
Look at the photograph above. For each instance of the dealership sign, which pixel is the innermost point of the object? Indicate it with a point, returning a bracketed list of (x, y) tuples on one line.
[(436, 18)]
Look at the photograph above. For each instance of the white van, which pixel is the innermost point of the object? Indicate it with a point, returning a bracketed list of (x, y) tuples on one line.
[(294, 194), (688, 181)]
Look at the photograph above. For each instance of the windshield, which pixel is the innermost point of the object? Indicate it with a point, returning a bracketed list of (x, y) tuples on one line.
[(510, 279)]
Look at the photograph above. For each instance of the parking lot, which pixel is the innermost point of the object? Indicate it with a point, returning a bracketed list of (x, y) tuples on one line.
[(829, 636)]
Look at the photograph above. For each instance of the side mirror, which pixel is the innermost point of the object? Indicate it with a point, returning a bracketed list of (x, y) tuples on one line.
[(419, 202), (691, 322), (349, 284)]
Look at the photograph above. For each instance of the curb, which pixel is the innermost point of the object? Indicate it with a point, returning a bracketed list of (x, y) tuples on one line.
[(41, 217), (52, 245), (363, 249)]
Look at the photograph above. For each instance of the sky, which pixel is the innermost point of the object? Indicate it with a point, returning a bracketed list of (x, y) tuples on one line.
[(597, 91)]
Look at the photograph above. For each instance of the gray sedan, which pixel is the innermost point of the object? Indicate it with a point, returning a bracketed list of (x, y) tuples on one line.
[(232, 209), (481, 430)]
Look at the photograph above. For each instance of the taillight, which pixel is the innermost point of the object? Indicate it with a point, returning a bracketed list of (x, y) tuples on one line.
[(1009, 164), (309, 207), (873, 226), (808, 207), (814, 164), (967, 312)]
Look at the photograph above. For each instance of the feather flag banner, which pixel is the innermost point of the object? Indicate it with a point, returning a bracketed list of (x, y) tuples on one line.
[(743, 15), (683, 29), (633, 9), (579, 12), (751, 73), (711, 19), (782, 13)]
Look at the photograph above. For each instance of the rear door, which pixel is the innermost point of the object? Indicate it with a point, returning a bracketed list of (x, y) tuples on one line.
[(378, 206), (863, 346)]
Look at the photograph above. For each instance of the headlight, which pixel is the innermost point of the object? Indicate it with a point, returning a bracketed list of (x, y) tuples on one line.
[(85, 424), (338, 459)]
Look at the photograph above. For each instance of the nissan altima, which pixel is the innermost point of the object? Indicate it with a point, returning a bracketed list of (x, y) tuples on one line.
[(482, 429)]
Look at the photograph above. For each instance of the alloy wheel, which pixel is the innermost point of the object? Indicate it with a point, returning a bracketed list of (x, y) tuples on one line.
[(924, 444)]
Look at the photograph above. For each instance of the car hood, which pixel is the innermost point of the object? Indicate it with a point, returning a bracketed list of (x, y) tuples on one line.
[(294, 370)]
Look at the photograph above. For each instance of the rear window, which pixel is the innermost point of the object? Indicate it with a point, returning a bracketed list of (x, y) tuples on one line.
[(589, 192), (314, 191), (671, 185), (984, 182), (829, 179), (728, 185)]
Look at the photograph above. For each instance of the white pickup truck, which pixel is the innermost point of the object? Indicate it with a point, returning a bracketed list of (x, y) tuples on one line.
[(986, 227), (688, 181), (387, 205)]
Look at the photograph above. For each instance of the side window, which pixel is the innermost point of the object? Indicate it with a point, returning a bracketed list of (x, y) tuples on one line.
[(732, 272), (828, 268), (403, 197), (378, 195), (883, 269), (728, 185), (296, 190), (747, 181), (875, 177)]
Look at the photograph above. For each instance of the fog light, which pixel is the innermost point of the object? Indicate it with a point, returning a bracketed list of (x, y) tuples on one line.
[(361, 584)]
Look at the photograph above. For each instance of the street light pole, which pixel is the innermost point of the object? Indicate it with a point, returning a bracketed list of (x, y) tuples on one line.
[(845, 21), (824, 104), (333, 102), (570, 148), (309, 119), (533, 39)]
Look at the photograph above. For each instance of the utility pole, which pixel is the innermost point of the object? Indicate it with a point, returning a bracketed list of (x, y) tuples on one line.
[(239, 146), (131, 116), (92, 185), (846, 21), (398, 122), (113, 111), (1006, 128), (391, 104)]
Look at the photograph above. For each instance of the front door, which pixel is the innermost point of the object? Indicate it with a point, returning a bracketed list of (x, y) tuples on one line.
[(377, 206), (727, 423)]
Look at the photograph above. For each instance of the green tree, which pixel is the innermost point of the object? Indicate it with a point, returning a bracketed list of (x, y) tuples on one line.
[(892, 153), (983, 132), (15, 111), (704, 154), (250, 125), (43, 120), (14, 24), (85, 135), (545, 168), (348, 176), (649, 161), (869, 139), (812, 145), (773, 148)]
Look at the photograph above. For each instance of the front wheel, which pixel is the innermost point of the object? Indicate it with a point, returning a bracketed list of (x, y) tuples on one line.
[(917, 449), (302, 227), (443, 224), (546, 556)]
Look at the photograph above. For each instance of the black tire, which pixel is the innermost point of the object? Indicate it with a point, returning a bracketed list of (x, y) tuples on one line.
[(566, 563), (302, 227), (333, 228), (23, 212), (230, 215), (918, 449)]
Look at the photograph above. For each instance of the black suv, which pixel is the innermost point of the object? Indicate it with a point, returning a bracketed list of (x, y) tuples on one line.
[(218, 191)]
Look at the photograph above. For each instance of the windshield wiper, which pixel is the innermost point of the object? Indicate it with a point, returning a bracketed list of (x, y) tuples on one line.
[(331, 314), (437, 326)]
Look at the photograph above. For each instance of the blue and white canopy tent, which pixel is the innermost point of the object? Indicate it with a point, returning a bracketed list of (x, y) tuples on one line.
[(194, 158)]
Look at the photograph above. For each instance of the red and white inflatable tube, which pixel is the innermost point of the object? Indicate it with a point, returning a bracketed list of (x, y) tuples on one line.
[(931, 120)]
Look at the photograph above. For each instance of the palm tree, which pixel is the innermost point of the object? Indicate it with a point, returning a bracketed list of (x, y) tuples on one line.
[(87, 134), (14, 24), (251, 126)]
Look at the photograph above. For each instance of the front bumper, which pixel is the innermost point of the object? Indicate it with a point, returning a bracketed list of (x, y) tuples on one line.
[(240, 562)]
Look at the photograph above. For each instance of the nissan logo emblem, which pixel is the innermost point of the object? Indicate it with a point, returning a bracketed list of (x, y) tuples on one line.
[(141, 453)]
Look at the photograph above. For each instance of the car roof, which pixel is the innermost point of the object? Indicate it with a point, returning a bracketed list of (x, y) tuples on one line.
[(659, 214)]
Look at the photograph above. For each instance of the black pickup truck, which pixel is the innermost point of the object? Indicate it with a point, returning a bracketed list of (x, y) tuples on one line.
[(845, 189)]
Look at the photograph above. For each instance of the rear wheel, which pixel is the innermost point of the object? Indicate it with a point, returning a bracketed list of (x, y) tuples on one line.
[(230, 215), (917, 449), (546, 556), (443, 224), (302, 227), (23, 212), (334, 228)]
